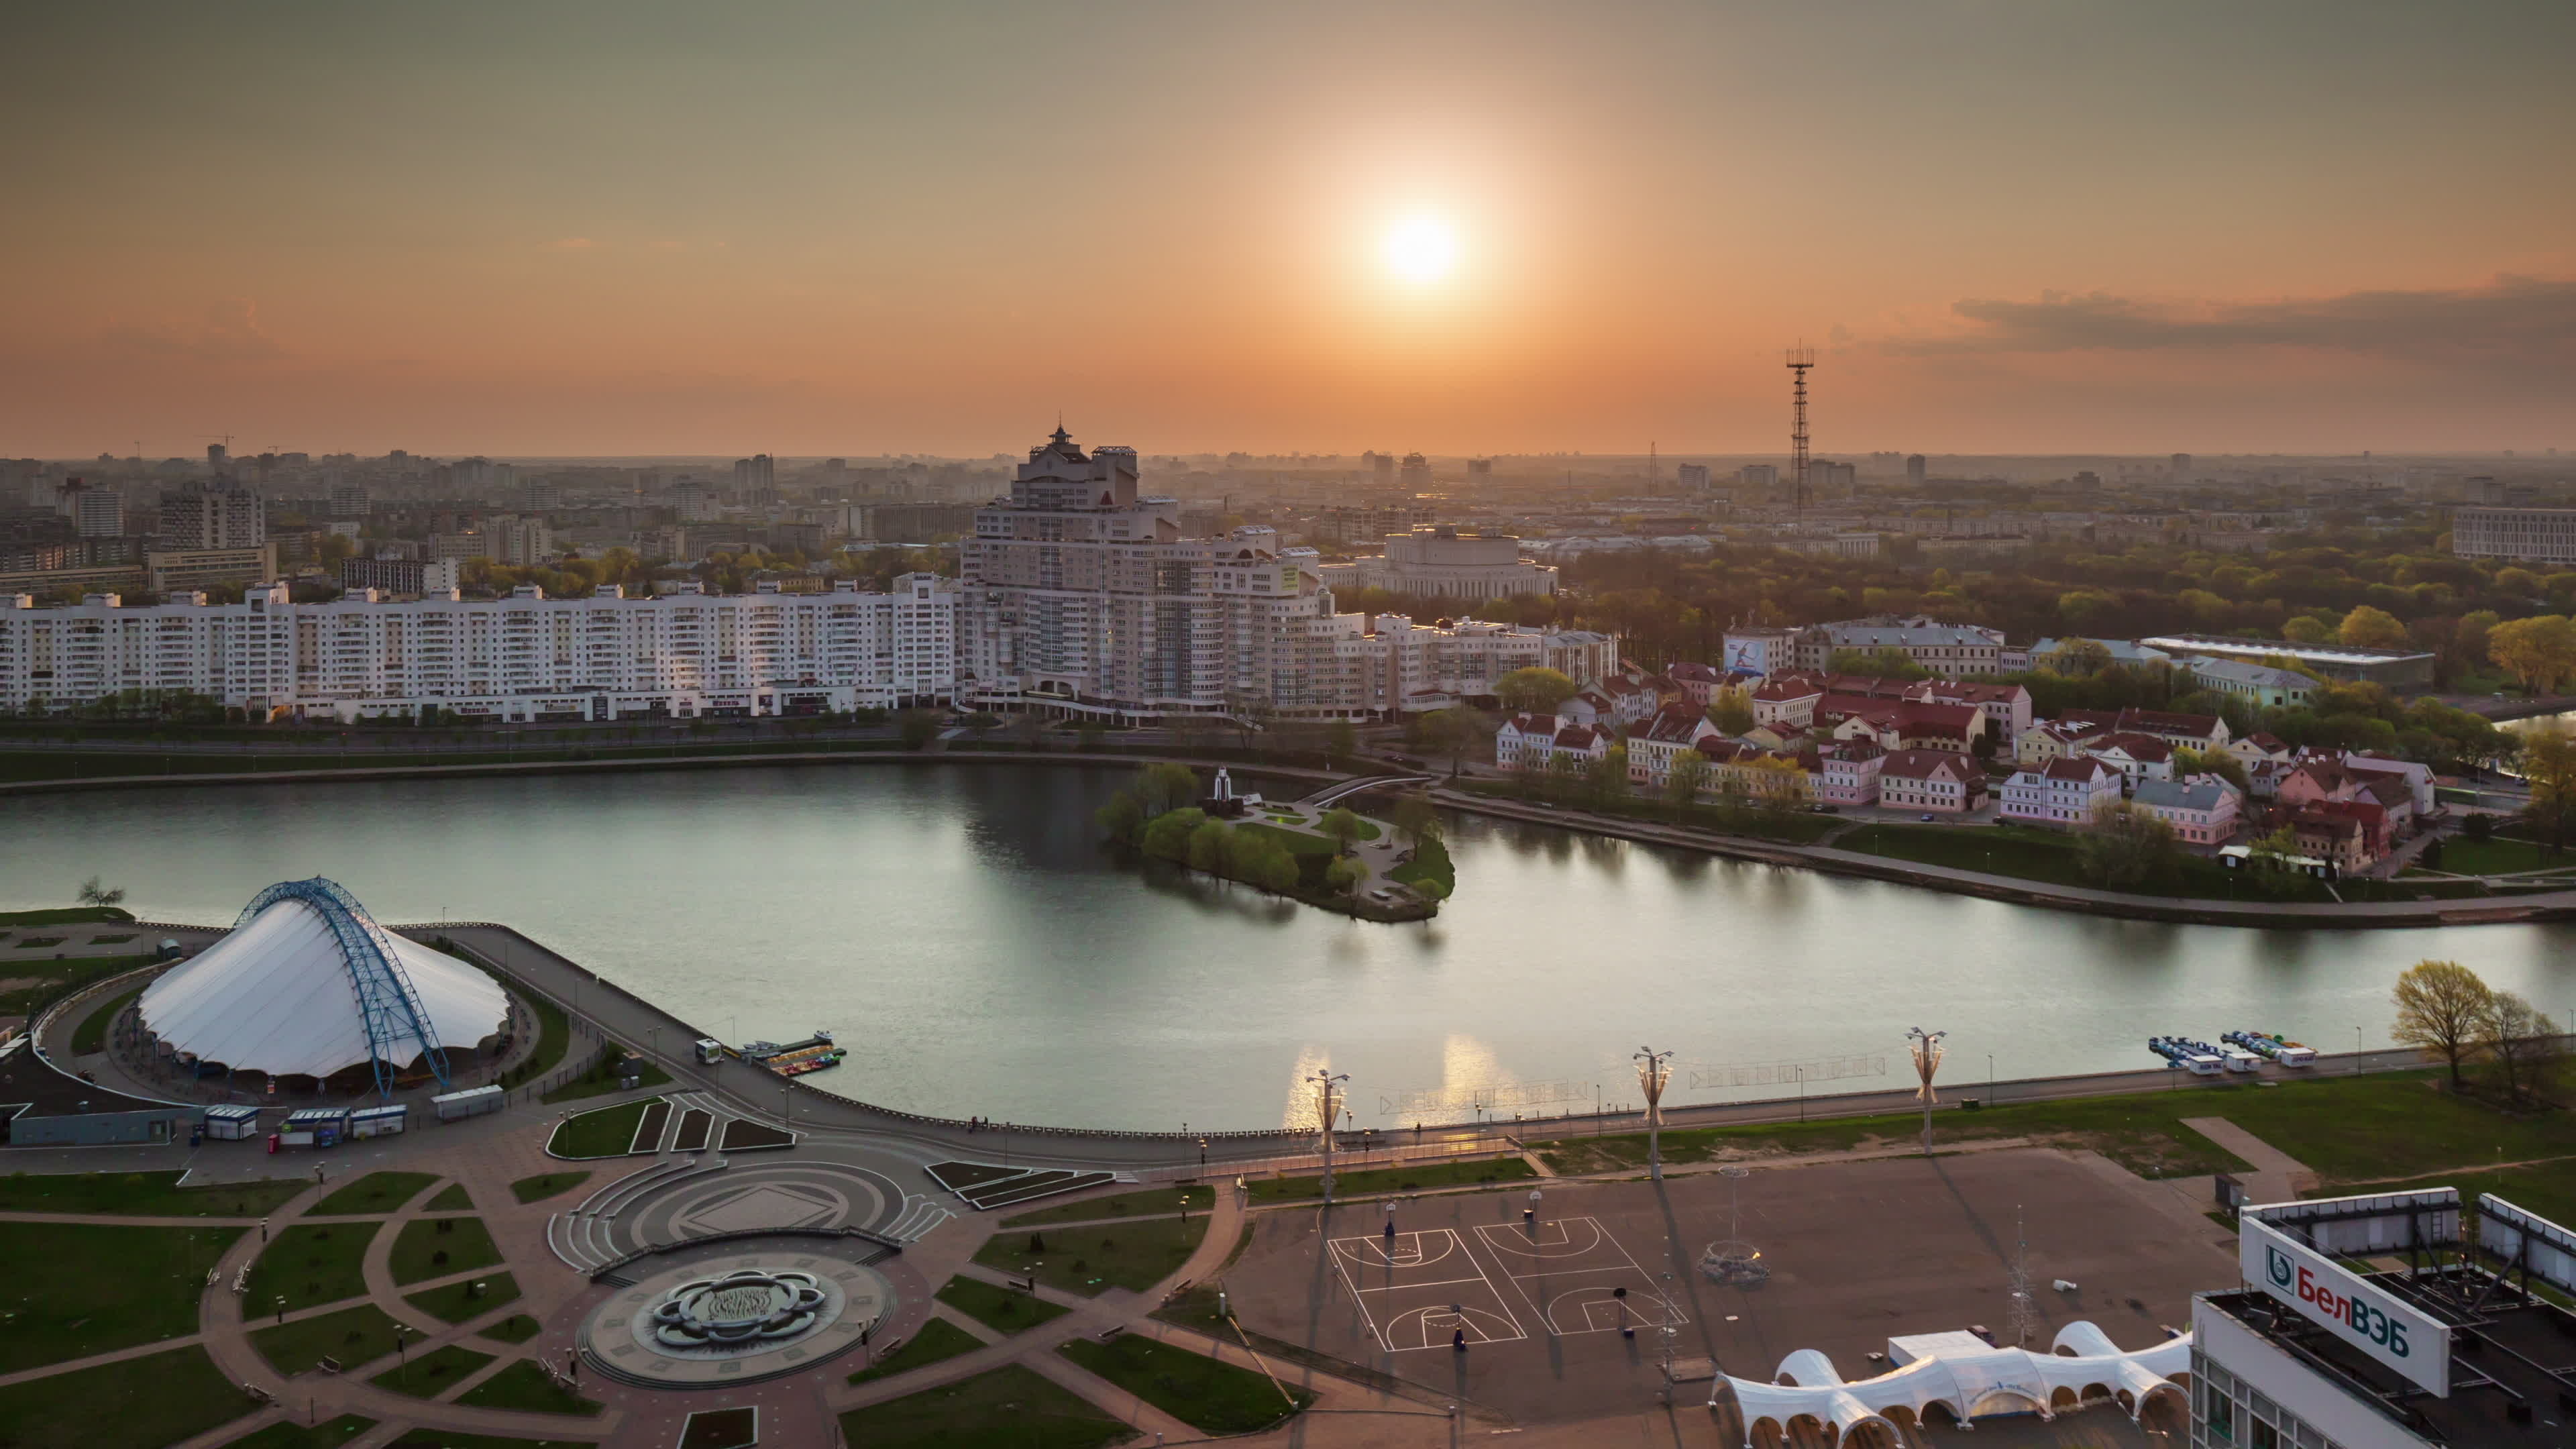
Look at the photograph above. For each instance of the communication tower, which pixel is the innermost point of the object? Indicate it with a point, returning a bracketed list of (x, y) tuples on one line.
[(1800, 359), (2022, 1316)]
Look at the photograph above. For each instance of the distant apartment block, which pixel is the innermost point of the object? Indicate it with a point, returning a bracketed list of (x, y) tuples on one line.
[(175, 570), (2528, 535), (410, 577), (1442, 563)]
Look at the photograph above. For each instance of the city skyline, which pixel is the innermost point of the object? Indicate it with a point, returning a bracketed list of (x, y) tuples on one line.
[(2009, 229)]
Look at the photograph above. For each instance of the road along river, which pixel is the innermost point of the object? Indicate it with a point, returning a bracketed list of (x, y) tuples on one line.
[(965, 932)]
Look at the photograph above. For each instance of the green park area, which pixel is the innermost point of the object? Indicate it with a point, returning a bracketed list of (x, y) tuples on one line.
[(525, 1385), (377, 1192), (2353, 1130), (91, 1035), (1010, 1408), (1218, 1398), (454, 1200), (136, 1403), (1004, 1310), (938, 1339), (607, 1132), (1151, 1202), (429, 1374), (349, 1338), (77, 1289), (517, 1328), (457, 1302), (435, 1247), (2050, 857), (1088, 1260), (1412, 1177), (37, 978), (143, 1195), (309, 1264), (546, 1185)]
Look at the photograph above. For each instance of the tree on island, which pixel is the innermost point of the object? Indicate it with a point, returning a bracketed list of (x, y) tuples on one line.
[(1415, 818), (1534, 691), (2443, 1010), (92, 893), (1165, 787), (1344, 875), (1342, 828), (1122, 817)]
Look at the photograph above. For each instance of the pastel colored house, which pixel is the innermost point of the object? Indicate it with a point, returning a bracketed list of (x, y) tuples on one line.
[(2202, 810), (2061, 794), (1847, 772), (1942, 781)]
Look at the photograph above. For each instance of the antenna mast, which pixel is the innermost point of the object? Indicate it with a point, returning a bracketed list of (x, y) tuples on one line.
[(2022, 1318), (1801, 358)]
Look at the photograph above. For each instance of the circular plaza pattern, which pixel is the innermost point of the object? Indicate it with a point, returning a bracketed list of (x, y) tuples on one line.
[(716, 1317)]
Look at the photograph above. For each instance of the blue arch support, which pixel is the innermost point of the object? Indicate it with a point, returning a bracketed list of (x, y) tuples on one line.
[(387, 1004)]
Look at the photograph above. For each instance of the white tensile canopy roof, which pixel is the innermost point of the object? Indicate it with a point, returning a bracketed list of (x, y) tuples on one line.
[(1996, 1380), (283, 993)]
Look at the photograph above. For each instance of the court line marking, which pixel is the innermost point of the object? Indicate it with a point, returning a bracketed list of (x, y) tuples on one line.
[(1340, 1267), (1673, 1315)]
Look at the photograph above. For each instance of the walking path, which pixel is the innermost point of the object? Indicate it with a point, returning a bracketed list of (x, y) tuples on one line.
[(2277, 1176)]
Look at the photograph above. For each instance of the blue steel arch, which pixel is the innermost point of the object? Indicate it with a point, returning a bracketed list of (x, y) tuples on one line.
[(387, 1004)]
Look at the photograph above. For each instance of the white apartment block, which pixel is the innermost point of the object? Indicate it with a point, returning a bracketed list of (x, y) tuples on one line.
[(2535, 535), (522, 658)]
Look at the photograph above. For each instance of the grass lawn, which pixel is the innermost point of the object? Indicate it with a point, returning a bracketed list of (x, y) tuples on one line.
[(2546, 1188), (517, 1328), (137, 1403), (607, 1132), (554, 1035), (1009, 1408), (142, 1194), (82, 1288), (600, 1080), (1408, 1178), (1003, 1310), (64, 916), (1156, 1200), (1087, 1260), (427, 1375), (2000, 850), (353, 1336), (91, 1035), (454, 1200), (451, 1305), (436, 1247), (1193, 1388), (377, 1192), (523, 1385), (291, 1435), (546, 1185), (938, 1339), (309, 1264), (1298, 842), (2463, 856), (49, 978)]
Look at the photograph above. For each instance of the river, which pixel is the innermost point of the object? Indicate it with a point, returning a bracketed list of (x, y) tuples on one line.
[(966, 934)]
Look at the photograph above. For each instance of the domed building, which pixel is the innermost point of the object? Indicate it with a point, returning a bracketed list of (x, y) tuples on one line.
[(307, 986)]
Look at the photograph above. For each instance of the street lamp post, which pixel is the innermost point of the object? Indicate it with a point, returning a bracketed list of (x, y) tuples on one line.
[(2356, 1051), (1927, 1060), (1654, 1070), (1328, 1111)]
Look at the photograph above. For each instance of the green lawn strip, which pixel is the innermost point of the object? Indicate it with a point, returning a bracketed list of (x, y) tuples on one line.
[(546, 1185), (452, 1439), (49, 979), (1088, 1260), (524, 1385), (456, 1303), (142, 1195), (1010, 1408), (377, 1192), (1003, 1310), (607, 1132), (2545, 1188), (938, 1339), (91, 1035), (1299, 842), (287, 1434), (1195, 1307), (2392, 1124), (436, 1247), (427, 1375), (309, 1264), (1410, 1178), (64, 916), (2463, 856), (602, 1079), (554, 1036), (76, 1289), (517, 1328), (454, 1200), (1153, 1200), (135, 1403), (351, 1337), (1218, 1398)]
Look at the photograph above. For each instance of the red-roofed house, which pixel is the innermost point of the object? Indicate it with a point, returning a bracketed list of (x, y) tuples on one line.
[(2135, 756), (2351, 833), (1946, 781), (1787, 702), (2193, 731), (1847, 772), (1653, 742)]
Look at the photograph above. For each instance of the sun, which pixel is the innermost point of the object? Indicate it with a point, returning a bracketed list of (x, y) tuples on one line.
[(1421, 249)]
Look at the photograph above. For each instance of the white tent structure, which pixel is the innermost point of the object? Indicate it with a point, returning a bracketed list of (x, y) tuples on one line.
[(307, 984), (2084, 1365)]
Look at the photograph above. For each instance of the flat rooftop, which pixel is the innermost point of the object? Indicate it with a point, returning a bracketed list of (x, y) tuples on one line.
[(2506, 1350)]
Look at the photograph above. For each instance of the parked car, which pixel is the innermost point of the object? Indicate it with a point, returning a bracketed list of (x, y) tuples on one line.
[(1926, 819)]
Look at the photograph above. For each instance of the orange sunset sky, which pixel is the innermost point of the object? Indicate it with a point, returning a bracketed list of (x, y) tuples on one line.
[(2007, 225)]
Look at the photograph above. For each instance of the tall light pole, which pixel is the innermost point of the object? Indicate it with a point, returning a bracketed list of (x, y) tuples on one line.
[(1654, 1070), (1327, 1111), (1927, 1060)]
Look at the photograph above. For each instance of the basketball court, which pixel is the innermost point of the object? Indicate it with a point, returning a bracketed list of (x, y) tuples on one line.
[(1577, 1277), (1423, 1291)]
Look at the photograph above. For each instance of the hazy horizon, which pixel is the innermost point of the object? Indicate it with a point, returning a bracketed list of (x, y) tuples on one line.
[(2010, 228)]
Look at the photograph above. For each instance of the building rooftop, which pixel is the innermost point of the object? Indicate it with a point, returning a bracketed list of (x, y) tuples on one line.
[(2287, 649)]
